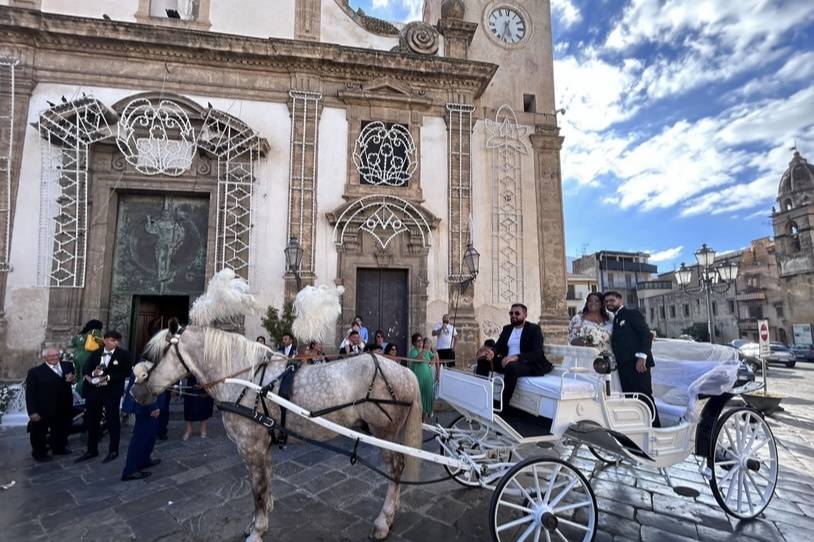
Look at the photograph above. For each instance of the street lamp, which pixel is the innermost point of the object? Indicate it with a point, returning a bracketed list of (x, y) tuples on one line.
[(471, 262), (711, 278), (293, 258)]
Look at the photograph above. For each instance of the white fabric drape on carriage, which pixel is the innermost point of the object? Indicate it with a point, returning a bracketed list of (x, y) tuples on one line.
[(686, 369)]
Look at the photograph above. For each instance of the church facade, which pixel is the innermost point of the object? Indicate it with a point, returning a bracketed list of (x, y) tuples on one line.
[(147, 144)]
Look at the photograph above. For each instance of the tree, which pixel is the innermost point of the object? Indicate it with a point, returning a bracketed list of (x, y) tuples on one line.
[(278, 324), (697, 331)]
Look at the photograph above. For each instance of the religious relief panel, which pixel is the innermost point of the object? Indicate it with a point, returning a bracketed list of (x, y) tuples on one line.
[(385, 154), (505, 141), (156, 138), (7, 84)]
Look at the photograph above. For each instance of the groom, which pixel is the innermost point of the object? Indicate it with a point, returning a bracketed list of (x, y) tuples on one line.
[(631, 342)]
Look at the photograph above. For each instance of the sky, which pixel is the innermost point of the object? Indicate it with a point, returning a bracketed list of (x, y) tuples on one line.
[(680, 117)]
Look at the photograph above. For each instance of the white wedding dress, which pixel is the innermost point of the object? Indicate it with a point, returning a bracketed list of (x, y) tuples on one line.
[(598, 335)]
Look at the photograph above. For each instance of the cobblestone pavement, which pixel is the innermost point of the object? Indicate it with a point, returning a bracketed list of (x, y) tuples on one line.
[(199, 492)]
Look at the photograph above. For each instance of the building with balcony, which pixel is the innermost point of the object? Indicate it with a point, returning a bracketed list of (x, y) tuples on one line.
[(578, 288), (620, 271)]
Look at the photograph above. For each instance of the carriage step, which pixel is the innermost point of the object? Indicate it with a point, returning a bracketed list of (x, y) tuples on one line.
[(527, 425)]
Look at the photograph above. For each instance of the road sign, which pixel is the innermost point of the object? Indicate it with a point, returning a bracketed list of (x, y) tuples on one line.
[(802, 334), (763, 336)]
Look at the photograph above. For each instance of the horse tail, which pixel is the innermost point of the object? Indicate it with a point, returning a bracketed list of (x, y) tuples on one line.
[(412, 435)]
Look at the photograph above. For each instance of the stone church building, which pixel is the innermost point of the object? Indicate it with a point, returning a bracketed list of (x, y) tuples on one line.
[(145, 144)]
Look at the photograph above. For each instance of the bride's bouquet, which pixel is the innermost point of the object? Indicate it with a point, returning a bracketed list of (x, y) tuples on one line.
[(594, 336)]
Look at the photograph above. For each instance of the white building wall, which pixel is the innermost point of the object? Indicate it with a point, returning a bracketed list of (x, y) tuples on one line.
[(435, 185), (256, 18), (27, 304), (118, 10), (333, 176)]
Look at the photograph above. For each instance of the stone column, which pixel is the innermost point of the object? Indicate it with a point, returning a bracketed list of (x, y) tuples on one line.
[(458, 35), (459, 200), (305, 108), (547, 143), (307, 19)]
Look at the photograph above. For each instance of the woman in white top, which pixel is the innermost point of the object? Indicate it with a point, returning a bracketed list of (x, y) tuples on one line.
[(592, 326)]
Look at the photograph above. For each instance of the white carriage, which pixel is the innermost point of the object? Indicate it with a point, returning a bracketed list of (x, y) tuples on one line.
[(547, 498)]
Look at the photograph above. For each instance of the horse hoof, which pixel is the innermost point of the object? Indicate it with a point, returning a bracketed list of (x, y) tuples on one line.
[(379, 534)]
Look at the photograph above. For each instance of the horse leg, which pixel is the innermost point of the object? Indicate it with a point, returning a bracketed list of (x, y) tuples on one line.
[(394, 462), (252, 444)]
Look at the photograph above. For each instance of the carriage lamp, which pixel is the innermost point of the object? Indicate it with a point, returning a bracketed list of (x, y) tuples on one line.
[(711, 278), (293, 258)]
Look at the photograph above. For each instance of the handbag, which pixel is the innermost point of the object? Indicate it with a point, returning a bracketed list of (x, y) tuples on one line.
[(91, 344)]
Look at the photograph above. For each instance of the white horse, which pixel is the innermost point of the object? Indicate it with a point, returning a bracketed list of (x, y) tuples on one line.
[(212, 355)]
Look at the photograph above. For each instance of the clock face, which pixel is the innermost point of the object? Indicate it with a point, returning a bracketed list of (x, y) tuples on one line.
[(507, 25)]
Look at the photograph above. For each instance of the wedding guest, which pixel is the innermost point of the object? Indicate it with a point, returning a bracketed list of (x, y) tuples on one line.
[(353, 344), (104, 374), (261, 340), (593, 325), (198, 407), (423, 373), (363, 332), (142, 442), (85, 343), (49, 402), (445, 334), (378, 341), (287, 346), (391, 350)]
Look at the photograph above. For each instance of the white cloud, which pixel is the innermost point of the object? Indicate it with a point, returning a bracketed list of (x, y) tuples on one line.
[(567, 13), (665, 255), (390, 9)]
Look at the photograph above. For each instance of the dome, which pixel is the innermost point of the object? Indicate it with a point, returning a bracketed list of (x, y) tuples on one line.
[(798, 177)]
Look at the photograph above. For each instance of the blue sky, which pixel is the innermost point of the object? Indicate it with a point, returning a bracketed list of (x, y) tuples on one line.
[(680, 116)]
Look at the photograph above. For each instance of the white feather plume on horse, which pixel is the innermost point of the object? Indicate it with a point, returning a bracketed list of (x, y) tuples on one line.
[(227, 298), (316, 310)]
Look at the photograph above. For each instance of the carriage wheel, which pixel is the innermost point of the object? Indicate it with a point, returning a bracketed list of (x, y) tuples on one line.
[(543, 499), (743, 458), (605, 457), (476, 432)]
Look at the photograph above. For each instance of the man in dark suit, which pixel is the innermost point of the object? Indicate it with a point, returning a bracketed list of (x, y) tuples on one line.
[(287, 346), (49, 401), (518, 352), (631, 342), (105, 373)]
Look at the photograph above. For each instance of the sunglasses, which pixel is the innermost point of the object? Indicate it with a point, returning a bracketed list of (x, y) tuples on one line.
[(515, 313)]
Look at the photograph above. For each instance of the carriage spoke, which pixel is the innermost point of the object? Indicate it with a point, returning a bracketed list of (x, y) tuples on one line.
[(522, 490), (530, 529), (569, 507), (731, 483), (740, 490), (537, 533), (730, 439), (516, 507), (547, 536), (562, 536), (537, 482), (748, 495), (515, 523), (729, 474), (564, 492), (757, 487), (550, 488), (725, 463), (572, 524)]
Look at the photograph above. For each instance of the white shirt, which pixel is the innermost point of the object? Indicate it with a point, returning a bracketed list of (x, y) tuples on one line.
[(105, 359), (56, 367), (514, 341), (443, 340)]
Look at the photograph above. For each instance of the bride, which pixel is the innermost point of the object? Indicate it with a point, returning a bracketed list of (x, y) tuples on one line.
[(592, 326)]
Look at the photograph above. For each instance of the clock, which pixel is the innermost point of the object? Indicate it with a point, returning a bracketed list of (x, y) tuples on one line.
[(507, 25)]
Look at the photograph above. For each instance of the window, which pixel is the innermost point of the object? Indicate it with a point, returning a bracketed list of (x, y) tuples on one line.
[(732, 307), (571, 294), (610, 280), (779, 310), (652, 313), (572, 312), (755, 311), (529, 103), (385, 154), (672, 311), (714, 308), (186, 10), (661, 311), (631, 298), (753, 282), (788, 205), (628, 280), (686, 309), (794, 238)]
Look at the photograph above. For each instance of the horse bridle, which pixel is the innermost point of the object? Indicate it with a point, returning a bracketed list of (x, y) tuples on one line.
[(172, 342)]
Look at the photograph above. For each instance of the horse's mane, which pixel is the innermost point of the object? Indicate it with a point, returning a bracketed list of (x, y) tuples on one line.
[(230, 349), (155, 346)]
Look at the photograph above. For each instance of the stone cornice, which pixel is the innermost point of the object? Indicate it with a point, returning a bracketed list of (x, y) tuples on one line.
[(69, 34)]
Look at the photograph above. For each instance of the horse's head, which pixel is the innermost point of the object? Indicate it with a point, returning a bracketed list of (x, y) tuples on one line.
[(168, 363)]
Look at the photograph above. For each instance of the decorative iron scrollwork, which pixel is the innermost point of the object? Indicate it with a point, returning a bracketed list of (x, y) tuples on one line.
[(385, 155)]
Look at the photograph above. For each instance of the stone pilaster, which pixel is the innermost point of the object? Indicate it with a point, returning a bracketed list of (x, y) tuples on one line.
[(547, 143), (307, 19), (305, 108), (458, 35)]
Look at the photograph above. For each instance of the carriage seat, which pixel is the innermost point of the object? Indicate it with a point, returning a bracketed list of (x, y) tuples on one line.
[(554, 386)]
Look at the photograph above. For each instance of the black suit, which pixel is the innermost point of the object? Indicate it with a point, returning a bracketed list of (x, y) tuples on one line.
[(532, 360), (106, 397), (632, 336), (50, 396)]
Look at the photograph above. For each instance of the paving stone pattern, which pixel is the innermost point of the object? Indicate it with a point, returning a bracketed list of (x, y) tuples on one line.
[(200, 493)]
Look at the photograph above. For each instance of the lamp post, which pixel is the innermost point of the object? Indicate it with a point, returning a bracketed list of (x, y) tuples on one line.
[(711, 278), (471, 262), (293, 258)]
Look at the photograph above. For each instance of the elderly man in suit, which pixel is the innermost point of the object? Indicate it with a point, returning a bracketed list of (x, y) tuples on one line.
[(49, 402), (518, 352), (631, 342), (105, 373)]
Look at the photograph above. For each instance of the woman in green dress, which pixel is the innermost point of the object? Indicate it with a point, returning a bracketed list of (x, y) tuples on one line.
[(79, 344), (422, 371)]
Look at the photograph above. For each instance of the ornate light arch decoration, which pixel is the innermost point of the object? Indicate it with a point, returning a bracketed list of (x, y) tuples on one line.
[(156, 138), (385, 154), (7, 93), (68, 130), (384, 218), (505, 141)]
